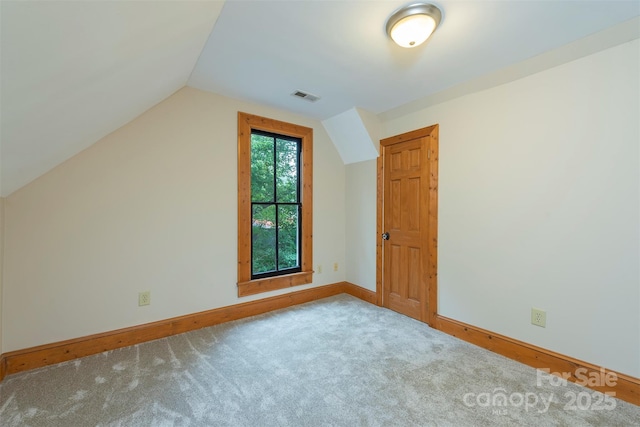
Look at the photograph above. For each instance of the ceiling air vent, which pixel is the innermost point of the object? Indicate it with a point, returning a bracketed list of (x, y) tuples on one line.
[(306, 96)]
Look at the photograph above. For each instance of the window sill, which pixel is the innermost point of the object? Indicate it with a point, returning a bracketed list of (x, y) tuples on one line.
[(267, 284)]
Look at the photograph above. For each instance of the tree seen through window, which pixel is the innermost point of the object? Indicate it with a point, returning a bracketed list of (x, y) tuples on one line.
[(275, 204)]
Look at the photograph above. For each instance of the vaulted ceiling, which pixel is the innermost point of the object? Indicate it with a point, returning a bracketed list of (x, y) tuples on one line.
[(74, 71)]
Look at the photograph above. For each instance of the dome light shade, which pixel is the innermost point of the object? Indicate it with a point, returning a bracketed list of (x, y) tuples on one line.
[(412, 25)]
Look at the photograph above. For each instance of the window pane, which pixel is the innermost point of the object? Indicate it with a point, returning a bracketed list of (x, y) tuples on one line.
[(262, 168), (287, 171), (263, 231), (288, 236)]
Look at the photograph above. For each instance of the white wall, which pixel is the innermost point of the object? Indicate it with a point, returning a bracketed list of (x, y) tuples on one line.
[(539, 192), (1, 251), (1, 263), (539, 206), (152, 206), (361, 225)]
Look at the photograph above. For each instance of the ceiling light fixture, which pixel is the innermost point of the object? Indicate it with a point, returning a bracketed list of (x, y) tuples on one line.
[(412, 25)]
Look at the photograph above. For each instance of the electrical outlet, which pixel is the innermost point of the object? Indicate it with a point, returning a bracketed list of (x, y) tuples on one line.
[(144, 298), (319, 268), (538, 317), (335, 266)]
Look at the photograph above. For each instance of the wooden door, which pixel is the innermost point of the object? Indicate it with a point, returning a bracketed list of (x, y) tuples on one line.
[(407, 245)]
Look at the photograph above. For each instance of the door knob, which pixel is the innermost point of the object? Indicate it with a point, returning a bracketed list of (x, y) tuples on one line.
[(385, 236)]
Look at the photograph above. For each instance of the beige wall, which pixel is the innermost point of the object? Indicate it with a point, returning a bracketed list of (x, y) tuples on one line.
[(361, 225), (152, 206), (1, 264), (539, 207), (539, 195)]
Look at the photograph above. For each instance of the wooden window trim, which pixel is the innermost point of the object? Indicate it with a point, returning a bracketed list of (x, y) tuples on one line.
[(247, 286)]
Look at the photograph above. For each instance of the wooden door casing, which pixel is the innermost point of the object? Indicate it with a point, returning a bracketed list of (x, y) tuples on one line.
[(407, 210)]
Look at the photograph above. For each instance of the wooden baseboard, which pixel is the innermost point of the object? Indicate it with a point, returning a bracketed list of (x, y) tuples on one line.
[(594, 377), (626, 387), (3, 367), (360, 292), (48, 354)]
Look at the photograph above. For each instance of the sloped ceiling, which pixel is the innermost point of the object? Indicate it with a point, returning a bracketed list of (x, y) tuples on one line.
[(355, 133), (73, 71)]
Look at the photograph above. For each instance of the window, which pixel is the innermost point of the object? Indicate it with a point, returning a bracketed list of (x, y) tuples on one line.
[(274, 204)]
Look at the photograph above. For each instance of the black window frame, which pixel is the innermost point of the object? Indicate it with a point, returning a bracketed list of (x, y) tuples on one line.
[(274, 202)]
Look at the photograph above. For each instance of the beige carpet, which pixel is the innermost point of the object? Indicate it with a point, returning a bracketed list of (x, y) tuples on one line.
[(334, 362)]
